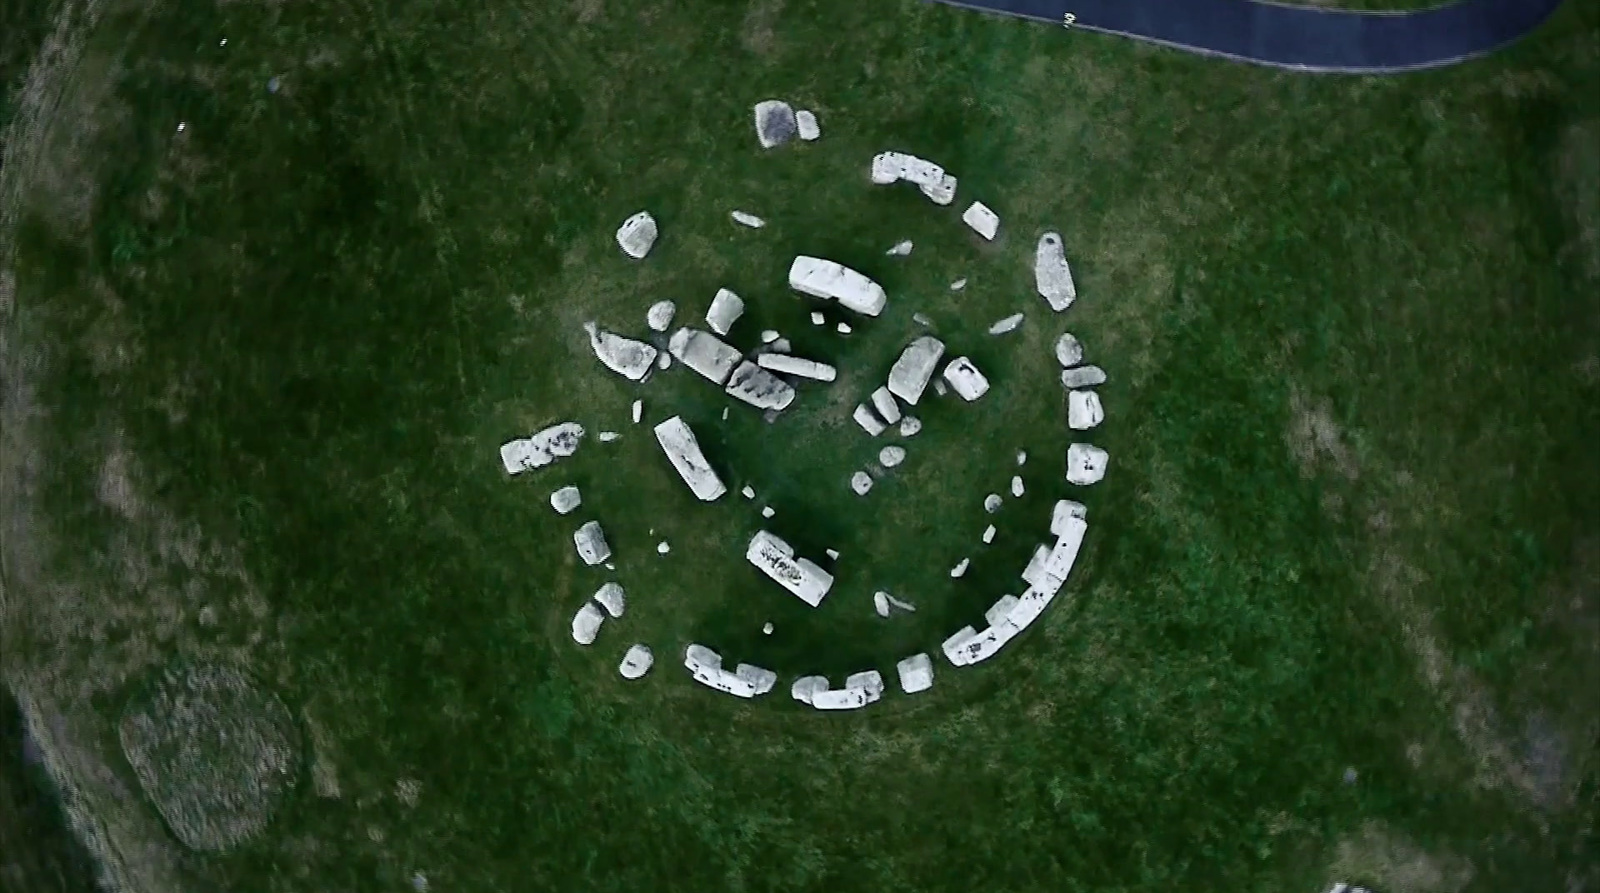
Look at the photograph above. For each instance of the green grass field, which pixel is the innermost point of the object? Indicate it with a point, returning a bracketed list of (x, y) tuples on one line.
[(258, 372)]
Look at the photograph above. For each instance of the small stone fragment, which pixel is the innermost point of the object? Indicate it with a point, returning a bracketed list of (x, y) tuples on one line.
[(628, 358), (890, 456), (880, 603), (921, 319), (1082, 377), (591, 543), (1069, 351), (638, 411), (608, 436), (939, 387), (768, 336), (991, 503), (817, 318), (904, 606), (805, 122), (883, 401), (659, 316), (983, 221), (964, 377), (749, 492), (1086, 464), (1016, 486), (988, 534), (1084, 410), (766, 629), (960, 568), (958, 285), (861, 482), (833, 554), (1009, 324), (900, 249), (868, 420), (612, 597), (664, 360), (767, 512), (1022, 457), (586, 624), (910, 425), (565, 499), (636, 662), (726, 308), (750, 220), (663, 547), (724, 413), (775, 123), (842, 328), (637, 234), (1051, 274)]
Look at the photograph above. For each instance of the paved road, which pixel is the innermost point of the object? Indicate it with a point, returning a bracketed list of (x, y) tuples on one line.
[(1297, 37)]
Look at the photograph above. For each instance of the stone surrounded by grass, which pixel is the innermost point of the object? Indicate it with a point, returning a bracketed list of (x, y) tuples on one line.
[(761, 679), (636, 662), (586, 624), (612, 597), (565, 499), (890, 456), (543, 448), (1084, 410), (637, 235), (991, 503), (1082, 377), (983, 221), (591, 544), (965, 379), (880, 603), (843, 328), (883, 402), (1086, 464), (1065, 511), (631, 359), (683, 451), (791, 365), (1069, 351), (775, 123), (805, 122), (900, 249), (961, 568), (705, 666), (214, 751), (1052, 276), (916, 673), (800, 576), (861, 483), (909, 375), (726, 308), (659, 316), (1006, 325), (868, 420), (988, 534), (705, 353), (746, 219), (806, 687), (834, 281), (1016, 486), (910, 425), (760, 388)]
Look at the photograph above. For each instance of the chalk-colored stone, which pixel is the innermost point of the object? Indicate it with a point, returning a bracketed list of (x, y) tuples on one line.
[(637, 234), (1082, 377), (833, 281), (768, 336), (942, 192), (1086, 464), (663, 547), (726, 308), (683, 451), (663, 360), (958, 640), (983, 221), (890, 456), (749, 492), (704, 353), (746, 219), (997, 612), (800, 576), (608, 436), (909, 375), (628, 358), (868, 681), (988, 534), (900, 249), (991, 503), (565, 499), (1051, 274), (889, 167), (843, 328), (805, 121), (791, 365), (775, 123), (806, 687), (861, 483), (543, 448), (1069, 350), (965, 379), (880, 603), (916, 673), (958, 285), (868, 420), (1016, 486), (817, 318), (782, 345), (1064, 513), (961, 567), (590, 541), (659, 316), (638, 411), (939, 387), (760, 388), (761, 680), (1009, 324), (921, 319), (636, 662), (767, 511), (1022, 457), (833, 554), (612, 597), (910, 425), (1084, 410), (902, 605), (586, 624), (883, 401), (766, 629)]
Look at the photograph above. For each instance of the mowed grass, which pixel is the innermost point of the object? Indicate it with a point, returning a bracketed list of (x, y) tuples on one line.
[(303, 325)]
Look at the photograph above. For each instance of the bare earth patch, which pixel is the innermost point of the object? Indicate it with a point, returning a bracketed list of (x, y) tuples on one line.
[(758, 34), (1391, 863), (1316, 441)]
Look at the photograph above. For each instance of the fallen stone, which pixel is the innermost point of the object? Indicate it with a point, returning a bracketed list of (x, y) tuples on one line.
[(750, 220), (1022, 457), (1084, 410), (767, 512), (909, 375), (799, 576), (883, 402), (960, 568), (1009, 324), (983, 221), (900, 249), (631, 359), (663, 360), (806, 687), (1051, 275), (806, 123), (1069, 351), (939, 387), (683, 451), (890, 456), (904, 606), (591, 543), (704, 353), (868, 420), (543, 448), (782, 345), (612, 597), (608, 436), (1082, 377), (768, 336), (880, 603), (965, 379), (833, 281), (910, 425), (638, 411), (988, 534), (916, 673), (636, 662), (637, 234), (775, 123), (1066, 511), (565, 499), (724, 413), (833, 554), (789, 365), (1016, 486), (958, 285), (760, 388), (748, 491), (991, 503), (663, 547), (586, 624), (842, 328), (659, 316), (817, 318), (726, 308), (1086, 464), (921, 319), (861, 482)]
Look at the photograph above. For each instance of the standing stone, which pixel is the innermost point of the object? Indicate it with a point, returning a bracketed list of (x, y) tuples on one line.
[(817, 318), (991, 503), (767, 511), (921, 319), (1022, 457), (586, 624), (1016, 486), (910, 425), (916, 673), (890, 456), (638, 411), (636, 662), (961, 568), (775, 123), (565, 499), (726, 308), (748, 491), (939, 387), (608, 436), (637, 234), (988, 534), (861, 482), (1083, 410), (1069, 351), (628, 358), (612, 597), (805, 121), (1082, 377), (659, 316), (591, 543), (868, 420), (663, 547), (1051, 275), (880, 603), (781, 345), (965, 378), (1009, 324), (833, 554), (883, 401), (1065, 512), (983, 221), (543, 448), (1086, 464), (750, 220), (909, 375)]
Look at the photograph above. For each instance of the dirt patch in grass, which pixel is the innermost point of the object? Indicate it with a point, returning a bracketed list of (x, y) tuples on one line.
[(1316, 440), (759, 32), (1577, 177), (1378, 857)]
